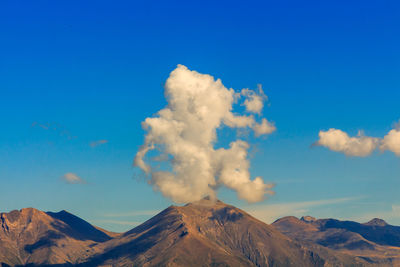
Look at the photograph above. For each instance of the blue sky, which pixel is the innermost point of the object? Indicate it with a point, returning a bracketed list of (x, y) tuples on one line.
[(95, 70)]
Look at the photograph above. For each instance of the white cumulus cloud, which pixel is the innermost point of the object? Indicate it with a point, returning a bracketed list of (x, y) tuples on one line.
[(339, 141), (265, 127), (361, 146), (185, 131), (254, 100), (391, 142)]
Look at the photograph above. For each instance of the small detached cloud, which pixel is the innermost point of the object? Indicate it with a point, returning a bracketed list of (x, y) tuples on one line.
[(98, 143), (72, 178), (339, 141), (359, 146)]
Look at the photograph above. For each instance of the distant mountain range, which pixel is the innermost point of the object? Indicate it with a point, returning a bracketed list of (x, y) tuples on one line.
[(374, 241), (204, 233)]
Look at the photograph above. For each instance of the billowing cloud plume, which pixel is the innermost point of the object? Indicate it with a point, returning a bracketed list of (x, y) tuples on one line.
[(72, 178), (340, 141), (183, 135)]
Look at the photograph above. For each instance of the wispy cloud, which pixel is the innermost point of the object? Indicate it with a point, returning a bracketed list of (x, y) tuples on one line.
[(56, 127), (387, 215), (132, 213), (269, 213), (98, 143), (117, 222), (72, 178), (123, 218)]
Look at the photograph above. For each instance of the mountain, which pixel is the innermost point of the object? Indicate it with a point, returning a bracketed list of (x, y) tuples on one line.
[(375, 241), (208, 233), (203, 233), (33, 236)]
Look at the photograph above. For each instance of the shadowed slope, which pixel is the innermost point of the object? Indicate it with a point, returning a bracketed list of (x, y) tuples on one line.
[(76, 227)]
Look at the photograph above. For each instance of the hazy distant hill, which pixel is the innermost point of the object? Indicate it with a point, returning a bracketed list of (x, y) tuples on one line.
[(203, 233), (375, 241)]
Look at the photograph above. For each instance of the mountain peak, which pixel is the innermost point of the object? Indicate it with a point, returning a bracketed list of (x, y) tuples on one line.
[(206, 202), (291, 219), (23, 216), (308, 219), (376, 222), (287, 224), (23, 211), (62, 236), (219, 232)]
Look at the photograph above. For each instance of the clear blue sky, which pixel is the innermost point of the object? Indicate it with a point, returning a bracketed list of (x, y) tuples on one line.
[(95, 69)]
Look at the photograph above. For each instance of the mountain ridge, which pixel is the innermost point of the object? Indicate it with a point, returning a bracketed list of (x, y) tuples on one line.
[(219, 234), (374, 240)]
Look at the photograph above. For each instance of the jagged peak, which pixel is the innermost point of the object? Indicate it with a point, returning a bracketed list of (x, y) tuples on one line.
[(24, 212)]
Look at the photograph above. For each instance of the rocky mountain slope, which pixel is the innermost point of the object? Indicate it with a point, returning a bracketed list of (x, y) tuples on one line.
[(375, 241), (204, 233), (33, 236)]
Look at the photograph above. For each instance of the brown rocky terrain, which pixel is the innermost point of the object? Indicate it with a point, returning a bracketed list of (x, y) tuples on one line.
[(375, 241), (204, 233), (33, 236)]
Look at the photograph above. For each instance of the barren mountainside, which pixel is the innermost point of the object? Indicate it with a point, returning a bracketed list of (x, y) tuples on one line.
[(376, 241), (33, 236), (203, 233)]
